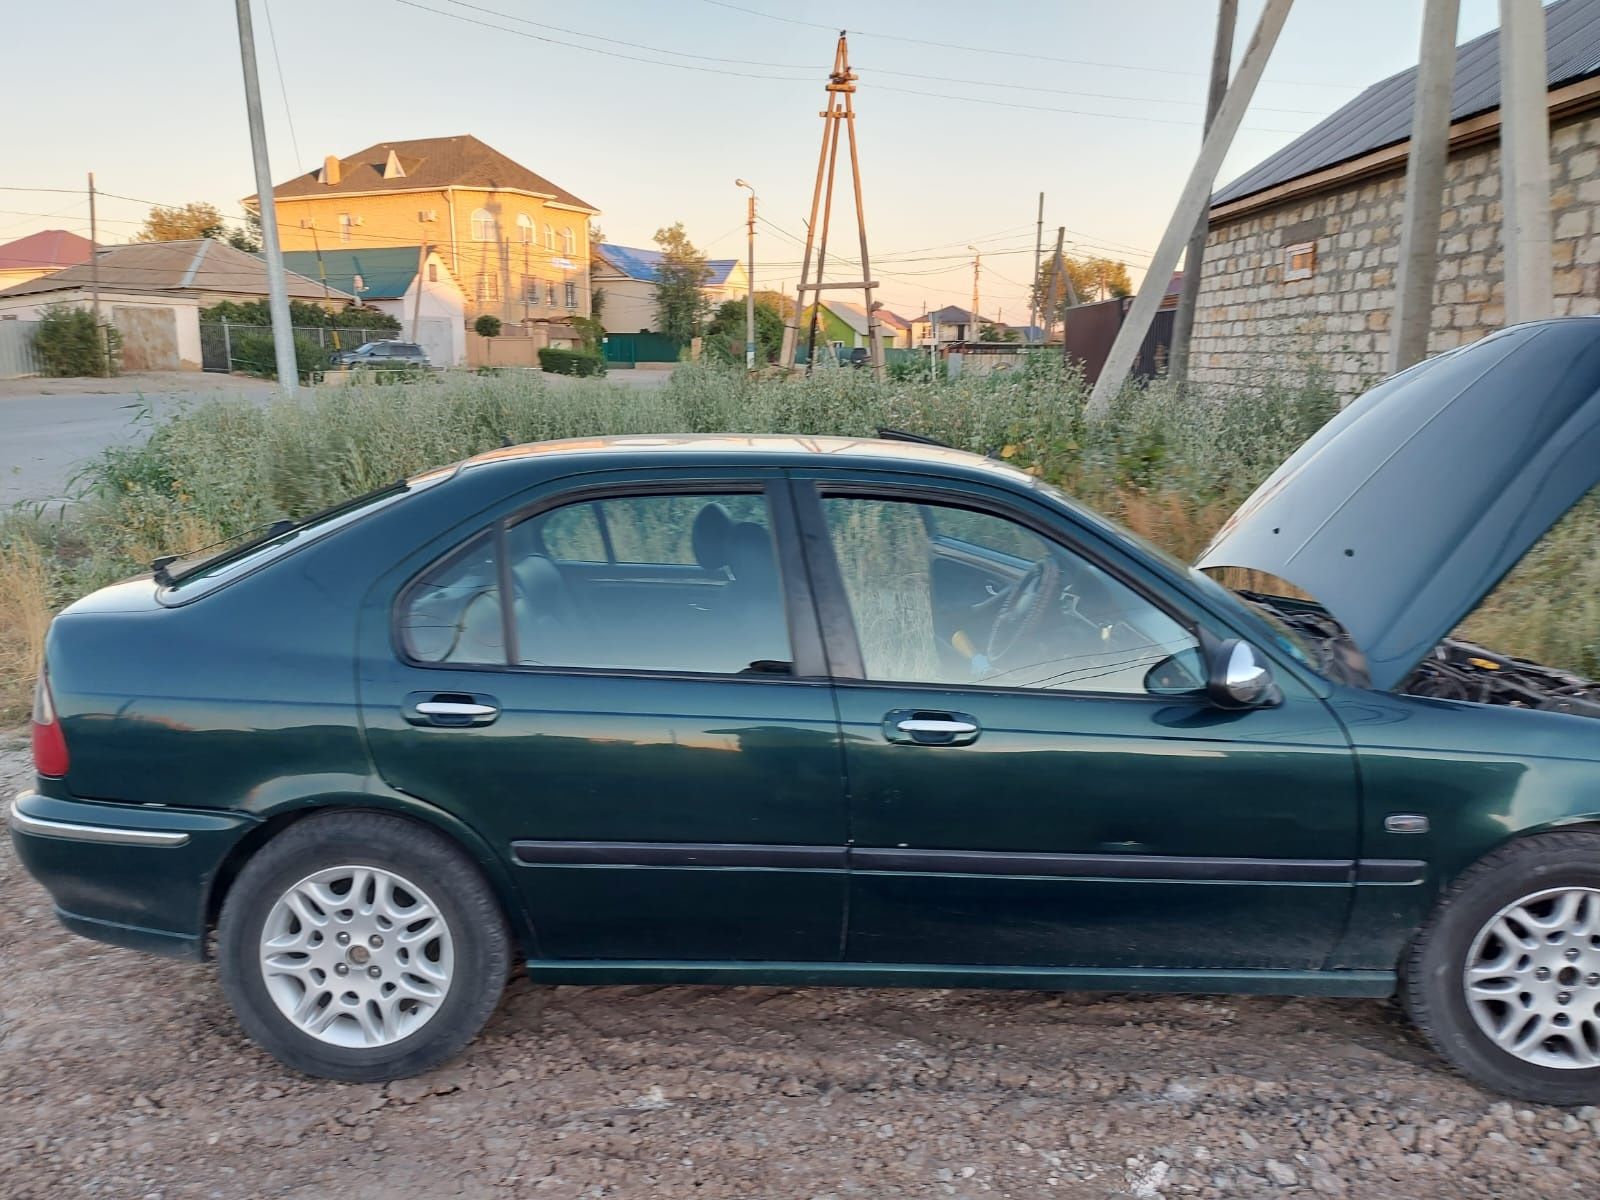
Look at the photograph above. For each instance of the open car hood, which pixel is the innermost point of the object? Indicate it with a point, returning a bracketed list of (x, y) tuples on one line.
[(1406, 509)]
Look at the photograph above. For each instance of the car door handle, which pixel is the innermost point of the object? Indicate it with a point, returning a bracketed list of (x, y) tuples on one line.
[(454, 708), (451, 709), (922, 727)]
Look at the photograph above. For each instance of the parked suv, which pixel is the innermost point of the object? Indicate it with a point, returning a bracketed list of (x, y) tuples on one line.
[(384, 354)]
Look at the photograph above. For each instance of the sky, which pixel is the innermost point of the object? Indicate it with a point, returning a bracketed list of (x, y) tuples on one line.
[(649, 110)]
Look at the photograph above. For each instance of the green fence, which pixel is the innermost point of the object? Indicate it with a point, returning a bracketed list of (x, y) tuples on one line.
[(627, 349)]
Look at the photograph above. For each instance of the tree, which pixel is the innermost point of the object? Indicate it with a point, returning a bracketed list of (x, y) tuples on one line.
[(990, 332), (726, 330), (302, 313), (197, 219), (1092, 279), (488, 325), (681, 304)]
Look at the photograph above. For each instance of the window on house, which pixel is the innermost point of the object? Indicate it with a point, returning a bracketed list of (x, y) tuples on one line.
[(344, 227), (572, 295), (1300, 260), (488, 287), (550, 237), (530, 289), (569, 242), (482, 225), (550, 294), (433, 272), (524, 228)]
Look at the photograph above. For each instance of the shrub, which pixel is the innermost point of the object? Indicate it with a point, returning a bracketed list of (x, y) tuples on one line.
[(488, 325), (256, 354), (571, 362), (68, 343)]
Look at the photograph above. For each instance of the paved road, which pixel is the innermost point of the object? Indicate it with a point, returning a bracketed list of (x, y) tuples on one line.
[(48, 429)]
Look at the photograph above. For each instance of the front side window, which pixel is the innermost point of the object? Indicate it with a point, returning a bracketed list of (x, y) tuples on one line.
[(569, 242), (482, 225), (683, 583), (549, 237), (524, 228), (571, 290), (957, 597)]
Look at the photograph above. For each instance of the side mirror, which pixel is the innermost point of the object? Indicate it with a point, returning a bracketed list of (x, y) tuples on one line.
[(1237, 677)]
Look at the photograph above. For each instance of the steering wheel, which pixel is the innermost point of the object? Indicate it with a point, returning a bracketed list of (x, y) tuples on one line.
[(1024, 608)]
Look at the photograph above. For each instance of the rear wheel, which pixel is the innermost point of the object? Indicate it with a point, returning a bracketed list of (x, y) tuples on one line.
[(1504, 979), (361, 947)]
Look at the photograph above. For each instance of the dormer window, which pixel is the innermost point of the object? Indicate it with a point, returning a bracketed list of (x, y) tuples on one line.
[(482, 225), (524, 228), (392, 168)]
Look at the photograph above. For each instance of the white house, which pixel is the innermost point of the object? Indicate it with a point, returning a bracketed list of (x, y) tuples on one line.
[(386, 279)]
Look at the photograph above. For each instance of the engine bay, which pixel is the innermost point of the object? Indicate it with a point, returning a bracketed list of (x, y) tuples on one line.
[(1453, 670)]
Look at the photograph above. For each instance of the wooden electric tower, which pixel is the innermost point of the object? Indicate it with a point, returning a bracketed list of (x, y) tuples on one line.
[(840, 111)]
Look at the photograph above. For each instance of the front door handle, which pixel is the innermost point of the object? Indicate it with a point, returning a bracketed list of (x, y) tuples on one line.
[(451, 709), (926, 727)]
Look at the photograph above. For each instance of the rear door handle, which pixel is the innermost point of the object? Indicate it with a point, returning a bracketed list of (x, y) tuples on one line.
[(451, 709), (925, 727)]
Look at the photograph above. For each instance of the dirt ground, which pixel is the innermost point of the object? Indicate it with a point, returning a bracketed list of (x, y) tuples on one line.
[(125, 1076)]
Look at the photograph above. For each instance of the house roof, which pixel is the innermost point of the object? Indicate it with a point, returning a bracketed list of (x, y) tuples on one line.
[(1381, 115), (193, 265), (428, 164), (950, 315), (386, 273), (642, 264), (47, 250), (892, 320)]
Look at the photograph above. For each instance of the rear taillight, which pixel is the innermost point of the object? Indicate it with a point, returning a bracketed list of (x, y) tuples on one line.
[(49, 746)]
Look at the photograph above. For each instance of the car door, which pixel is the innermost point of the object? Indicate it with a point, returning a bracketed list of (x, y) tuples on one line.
[(1019, 797), (648, 737)]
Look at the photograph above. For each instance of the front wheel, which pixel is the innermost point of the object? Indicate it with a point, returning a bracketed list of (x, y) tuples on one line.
[(1504, 979), (361, 947)]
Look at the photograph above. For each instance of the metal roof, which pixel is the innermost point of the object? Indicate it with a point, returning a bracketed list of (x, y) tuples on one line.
[(1381, 115), (642, 265), (191, 265), (47, 250), (386, 273)]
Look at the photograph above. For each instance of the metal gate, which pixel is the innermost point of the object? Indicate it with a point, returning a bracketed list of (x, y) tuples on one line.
[(17, 356)]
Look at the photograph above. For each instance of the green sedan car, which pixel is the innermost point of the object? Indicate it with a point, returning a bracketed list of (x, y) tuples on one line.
[(823, 710)]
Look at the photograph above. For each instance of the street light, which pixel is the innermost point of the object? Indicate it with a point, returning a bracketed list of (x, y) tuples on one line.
[(750, 282)]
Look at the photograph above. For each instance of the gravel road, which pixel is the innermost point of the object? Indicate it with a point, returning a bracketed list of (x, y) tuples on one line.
[(125, 1076)]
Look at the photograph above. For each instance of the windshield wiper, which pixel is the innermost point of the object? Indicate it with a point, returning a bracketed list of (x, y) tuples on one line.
[(165, 576)]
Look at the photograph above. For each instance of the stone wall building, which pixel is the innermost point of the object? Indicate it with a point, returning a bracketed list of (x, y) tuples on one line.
[(1300, 263)]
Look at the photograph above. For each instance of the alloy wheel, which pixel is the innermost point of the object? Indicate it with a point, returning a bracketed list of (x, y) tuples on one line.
[(1532, 978), (356, 956)]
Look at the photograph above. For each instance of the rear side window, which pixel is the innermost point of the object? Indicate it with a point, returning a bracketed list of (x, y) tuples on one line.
[(679, 583)]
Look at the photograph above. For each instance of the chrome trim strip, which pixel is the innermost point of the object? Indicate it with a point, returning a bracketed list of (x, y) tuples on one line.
[(41, 827)]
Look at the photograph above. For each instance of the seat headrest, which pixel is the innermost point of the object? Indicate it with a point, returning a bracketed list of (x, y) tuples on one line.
[(750, 551), (709, 536)]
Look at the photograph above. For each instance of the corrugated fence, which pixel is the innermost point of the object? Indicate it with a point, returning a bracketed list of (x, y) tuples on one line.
[(17, 357)]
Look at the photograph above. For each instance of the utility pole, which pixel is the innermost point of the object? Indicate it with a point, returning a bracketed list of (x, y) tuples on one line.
[(322, 274), (102, 342), (1194, 257), (1038, 249), (277, 288), (1191, 204), (840, 111), (750, 280), (1058, 273), (977, 260), (416, 301), (1524, 161), (1426, 160)]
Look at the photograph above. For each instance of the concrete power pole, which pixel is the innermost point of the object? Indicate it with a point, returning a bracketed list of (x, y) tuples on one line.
[(1524, 161), (102, 341), (977, 265), (1191, 204), (277, 287), (1425, 166), (1038, 249), (750, 279), (1194, 257)]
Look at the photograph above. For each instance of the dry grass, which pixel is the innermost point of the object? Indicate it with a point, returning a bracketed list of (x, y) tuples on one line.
[(25, 612)]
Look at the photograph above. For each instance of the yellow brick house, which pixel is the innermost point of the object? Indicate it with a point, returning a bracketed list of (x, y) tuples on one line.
[(517, 244)]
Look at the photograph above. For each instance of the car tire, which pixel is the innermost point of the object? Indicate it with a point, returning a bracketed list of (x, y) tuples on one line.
[(390, 976), (1521, 929)]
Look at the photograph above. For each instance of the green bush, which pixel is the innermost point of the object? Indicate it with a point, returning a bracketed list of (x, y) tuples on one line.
[(488, 325), (256, 354), (571, 362), (302, 314), (67, 343)]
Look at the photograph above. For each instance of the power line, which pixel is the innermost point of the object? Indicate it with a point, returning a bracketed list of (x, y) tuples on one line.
[(969, 48), (283, 84)]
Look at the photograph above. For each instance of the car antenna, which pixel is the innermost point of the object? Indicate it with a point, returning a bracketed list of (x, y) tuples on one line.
[(901, 435)]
